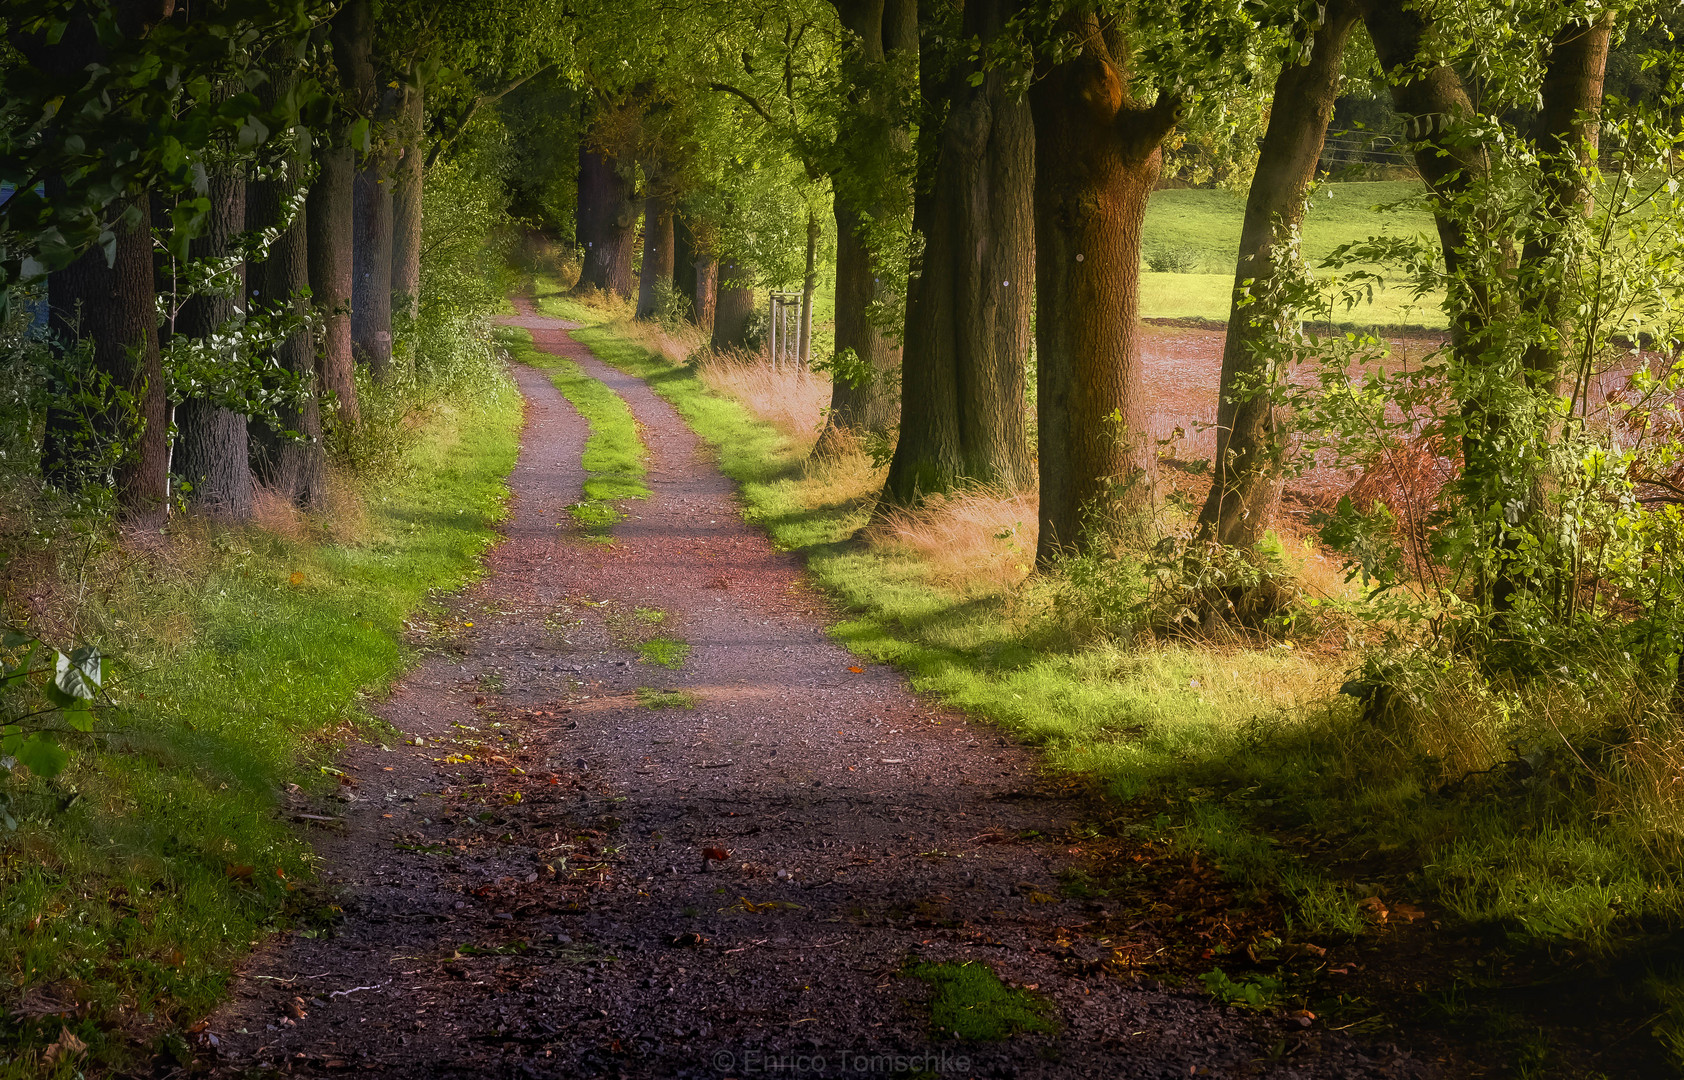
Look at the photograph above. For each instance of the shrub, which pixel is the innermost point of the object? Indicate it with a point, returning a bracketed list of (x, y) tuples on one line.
[(1173, 260)]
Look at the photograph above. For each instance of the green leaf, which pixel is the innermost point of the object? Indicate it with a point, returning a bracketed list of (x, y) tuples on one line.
[(42, 756), (80, 718), (78, 674)]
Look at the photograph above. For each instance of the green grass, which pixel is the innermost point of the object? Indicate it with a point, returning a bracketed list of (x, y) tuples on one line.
[(665, 699), (969, 1002), (1202, 227), (141, 875), (614, 453), (667, 652)]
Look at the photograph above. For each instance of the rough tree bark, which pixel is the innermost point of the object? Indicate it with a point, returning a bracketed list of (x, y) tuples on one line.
[(212, 452), (1244, 488), (1097, 154), (657, 254), (297, 468), (967, 317), (733, 307), (869, 404), (328, 228), (407, 180), (607, 223)]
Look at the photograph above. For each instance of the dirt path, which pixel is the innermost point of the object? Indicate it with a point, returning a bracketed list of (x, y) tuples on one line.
[(575, 932)]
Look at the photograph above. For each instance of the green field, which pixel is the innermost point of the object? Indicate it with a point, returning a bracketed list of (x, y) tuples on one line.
[(1202, 228)]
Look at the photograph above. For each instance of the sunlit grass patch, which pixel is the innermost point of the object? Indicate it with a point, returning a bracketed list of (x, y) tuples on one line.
[(968, 1001), (665, 699), (668, 652)]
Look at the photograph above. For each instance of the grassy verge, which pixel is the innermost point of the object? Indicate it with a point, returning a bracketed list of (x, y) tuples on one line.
[(140, 876), (614, 454)]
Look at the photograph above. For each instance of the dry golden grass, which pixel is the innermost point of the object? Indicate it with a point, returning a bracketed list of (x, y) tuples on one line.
[(273, 512), (790, 398), (966, 538)]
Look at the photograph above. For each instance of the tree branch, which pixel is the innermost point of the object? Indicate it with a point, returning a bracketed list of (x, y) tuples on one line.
[(753, 102), (480, 102)]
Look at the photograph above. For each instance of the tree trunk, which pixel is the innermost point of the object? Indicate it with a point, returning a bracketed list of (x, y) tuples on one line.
[(1097, 156), (1429, 101), (707, 285), (733, 307), (112, 306), (657, 255), (1567, 136), (867, 400), (371, 287), (328, 228), (694, 272), (1244, 487), (967, 318), (296, 467), (809, 286), (406, 205), (607, 224), (684, 261), (212, 452)]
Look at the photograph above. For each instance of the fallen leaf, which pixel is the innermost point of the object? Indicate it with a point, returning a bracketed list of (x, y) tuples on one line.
[(1375, 908), (856, 670), (1408, 912), (66, 1048), (239, 873), (297, 577)]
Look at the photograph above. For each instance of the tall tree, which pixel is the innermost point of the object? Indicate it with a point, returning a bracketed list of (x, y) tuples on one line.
[(967, 317), (287, 451), (657, 266), (371, 255), (408, 174), (1566, 134), (734, 305), (1098, 151), (871, 203), (330, 220), (106, 298), (212, 451), (105, 295), (1430, 97), (371, 190), (607, 222), (695, 272), (1244, 487)]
